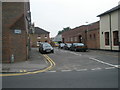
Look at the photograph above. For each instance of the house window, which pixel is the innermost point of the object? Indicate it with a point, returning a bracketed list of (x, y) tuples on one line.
[(115, 38), (80, 39), (75, 38), (106, 38), (94, 36), (68, 39), (90, 36), (39, 37), (71, 39), (45, 36)]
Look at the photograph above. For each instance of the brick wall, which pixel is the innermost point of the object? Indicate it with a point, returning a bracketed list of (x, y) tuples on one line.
[(75, 33), (93, 37), (18, 42), (35, 39), (13, 17), (82, 34), (1, 32)]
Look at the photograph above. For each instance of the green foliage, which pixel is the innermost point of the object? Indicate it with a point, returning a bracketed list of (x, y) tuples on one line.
[(64, 29)]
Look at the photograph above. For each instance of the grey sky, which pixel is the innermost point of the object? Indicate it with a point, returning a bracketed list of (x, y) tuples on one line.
[(54, 15)]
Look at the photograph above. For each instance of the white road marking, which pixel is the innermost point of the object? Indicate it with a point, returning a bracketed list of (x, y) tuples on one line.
[(103, 62), (110, 68), (51, 71), (66, 70), (74, 53), (80, 54), (117, 66), (96, 69), (82, 70)]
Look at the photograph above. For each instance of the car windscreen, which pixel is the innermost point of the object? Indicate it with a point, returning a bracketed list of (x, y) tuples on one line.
[(46, 45), (79, 44), (62, 44), (69, 45)]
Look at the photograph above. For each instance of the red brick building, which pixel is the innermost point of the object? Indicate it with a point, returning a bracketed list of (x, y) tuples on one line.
[(93, 37), (39, 35), (87, 34), (16, 20), (75, 35)]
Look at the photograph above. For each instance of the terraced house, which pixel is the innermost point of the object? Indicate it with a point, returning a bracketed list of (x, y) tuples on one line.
[(16, 21), (109, 32), (39, 35)]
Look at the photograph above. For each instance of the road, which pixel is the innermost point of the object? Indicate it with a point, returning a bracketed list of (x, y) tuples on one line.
[(93, 69), (69, 60), (80, 79)]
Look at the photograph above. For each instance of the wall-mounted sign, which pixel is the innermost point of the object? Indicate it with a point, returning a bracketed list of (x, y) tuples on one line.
[(17, 31)]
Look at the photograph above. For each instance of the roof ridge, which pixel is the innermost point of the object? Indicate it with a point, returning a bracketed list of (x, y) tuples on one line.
[(110, 10), (39, 30)]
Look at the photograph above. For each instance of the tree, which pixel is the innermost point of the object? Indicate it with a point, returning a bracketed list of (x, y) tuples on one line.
[(64, 29)]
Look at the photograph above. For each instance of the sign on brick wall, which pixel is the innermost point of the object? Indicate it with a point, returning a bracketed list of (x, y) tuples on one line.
[(17, 31)]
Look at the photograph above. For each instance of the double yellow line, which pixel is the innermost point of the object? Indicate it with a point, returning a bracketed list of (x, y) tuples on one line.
[(51, 62)]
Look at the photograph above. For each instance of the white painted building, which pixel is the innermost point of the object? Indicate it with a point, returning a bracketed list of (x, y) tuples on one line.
[(109, 32)]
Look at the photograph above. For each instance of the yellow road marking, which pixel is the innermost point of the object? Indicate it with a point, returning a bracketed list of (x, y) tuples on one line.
[(21, 71), (52, 64), (24, 70)]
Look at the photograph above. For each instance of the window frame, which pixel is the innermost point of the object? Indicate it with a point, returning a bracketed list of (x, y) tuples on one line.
[(107, 40), (116, 37)]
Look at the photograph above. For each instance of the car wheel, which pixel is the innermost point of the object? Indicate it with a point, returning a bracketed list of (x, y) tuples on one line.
[(83, 50), (52, 51), (39, 50)]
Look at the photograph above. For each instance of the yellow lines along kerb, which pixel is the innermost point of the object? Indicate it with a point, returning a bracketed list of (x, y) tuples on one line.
[(51, 62)]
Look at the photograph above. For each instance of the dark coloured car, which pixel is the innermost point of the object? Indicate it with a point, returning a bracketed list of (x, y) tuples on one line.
[(67, 46), (78, 47), (45, 48)]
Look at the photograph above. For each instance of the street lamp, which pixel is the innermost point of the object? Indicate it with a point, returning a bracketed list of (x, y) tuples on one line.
[(86, 32)]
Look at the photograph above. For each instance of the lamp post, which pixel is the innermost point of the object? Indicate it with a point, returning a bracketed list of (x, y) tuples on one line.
[(86, 32)]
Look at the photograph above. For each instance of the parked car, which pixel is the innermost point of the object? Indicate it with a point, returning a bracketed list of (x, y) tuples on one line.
[(67, 46), (56, 44), (45, 48), (61, 45), (78, 47)]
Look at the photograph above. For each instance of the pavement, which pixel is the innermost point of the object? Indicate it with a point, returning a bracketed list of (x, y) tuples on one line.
[(36, 62)]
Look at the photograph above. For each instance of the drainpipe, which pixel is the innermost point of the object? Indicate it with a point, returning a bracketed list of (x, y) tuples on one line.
[(119, 26), (110, 32)]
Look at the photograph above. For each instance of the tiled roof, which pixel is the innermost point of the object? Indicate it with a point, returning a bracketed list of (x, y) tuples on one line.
[(40, 31), (109, 11)]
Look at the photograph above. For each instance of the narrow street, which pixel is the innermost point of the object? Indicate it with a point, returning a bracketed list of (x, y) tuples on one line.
[(72, 70), (59, 44)]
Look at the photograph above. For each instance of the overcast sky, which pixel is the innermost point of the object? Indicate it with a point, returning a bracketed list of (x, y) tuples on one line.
[(54, 15)]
